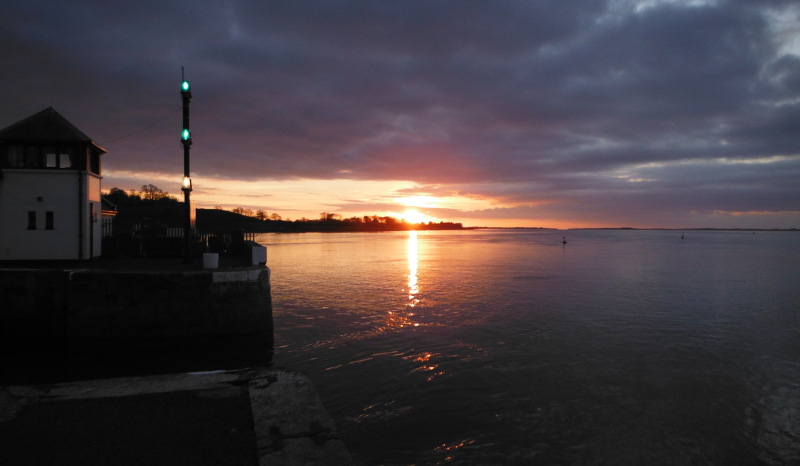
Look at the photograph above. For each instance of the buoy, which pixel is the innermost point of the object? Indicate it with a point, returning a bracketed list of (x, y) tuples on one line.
[(681, 236), (565, 239)]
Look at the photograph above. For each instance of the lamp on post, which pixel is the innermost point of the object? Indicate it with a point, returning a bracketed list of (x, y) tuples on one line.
[(186, 186)]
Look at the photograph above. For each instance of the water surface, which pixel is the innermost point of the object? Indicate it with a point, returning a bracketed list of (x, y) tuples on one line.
[(508, 347)]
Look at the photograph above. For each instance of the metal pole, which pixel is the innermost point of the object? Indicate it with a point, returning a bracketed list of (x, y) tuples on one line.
[(186, 143)]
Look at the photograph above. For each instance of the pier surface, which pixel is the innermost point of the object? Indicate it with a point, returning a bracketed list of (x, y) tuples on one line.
[(256, 416)]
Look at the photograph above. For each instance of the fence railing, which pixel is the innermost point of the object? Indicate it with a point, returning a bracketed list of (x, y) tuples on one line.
[(147, 240)]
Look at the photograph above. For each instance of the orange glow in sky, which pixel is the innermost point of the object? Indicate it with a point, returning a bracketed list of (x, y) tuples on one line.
[(295, 199), (298, 198), (420, 201)]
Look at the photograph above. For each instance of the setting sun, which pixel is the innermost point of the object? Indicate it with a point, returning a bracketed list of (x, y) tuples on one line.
[(412, 216)]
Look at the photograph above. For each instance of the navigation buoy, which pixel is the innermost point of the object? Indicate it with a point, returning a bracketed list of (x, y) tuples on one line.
[(681, 236), (565, 239)]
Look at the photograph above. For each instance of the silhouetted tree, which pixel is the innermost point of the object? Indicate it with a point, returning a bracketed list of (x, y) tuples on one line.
[(326, 216), (153, 193), (117, 196)]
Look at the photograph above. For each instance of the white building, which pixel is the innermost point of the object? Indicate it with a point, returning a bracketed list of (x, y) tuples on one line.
[(50, 205)]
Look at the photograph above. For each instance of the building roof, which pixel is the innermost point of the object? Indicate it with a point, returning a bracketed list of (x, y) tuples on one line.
[(107, 206), (47, 125)]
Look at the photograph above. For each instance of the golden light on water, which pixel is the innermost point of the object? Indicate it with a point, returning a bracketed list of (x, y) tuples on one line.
[(404, 318), (413, 259)]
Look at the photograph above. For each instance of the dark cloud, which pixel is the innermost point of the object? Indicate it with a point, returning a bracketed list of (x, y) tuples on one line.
[(545, 103)]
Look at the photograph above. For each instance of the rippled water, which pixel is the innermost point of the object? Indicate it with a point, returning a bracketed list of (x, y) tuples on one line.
[(507, 347)]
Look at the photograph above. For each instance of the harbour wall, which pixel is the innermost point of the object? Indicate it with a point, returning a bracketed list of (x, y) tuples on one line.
[(156, 314)]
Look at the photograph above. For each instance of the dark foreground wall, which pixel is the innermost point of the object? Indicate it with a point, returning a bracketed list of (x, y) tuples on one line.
[(153, 317)]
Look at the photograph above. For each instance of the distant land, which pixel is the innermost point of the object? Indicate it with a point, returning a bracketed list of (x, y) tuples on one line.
[(158, 210), (223, 220), (509, 228), (632, 228), (691, 229)]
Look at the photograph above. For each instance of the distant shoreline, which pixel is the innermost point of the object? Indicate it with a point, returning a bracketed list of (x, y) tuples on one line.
[(631, 228), (692, 229)]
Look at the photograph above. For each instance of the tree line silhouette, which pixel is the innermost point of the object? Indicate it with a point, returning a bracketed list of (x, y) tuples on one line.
[(154, 204)]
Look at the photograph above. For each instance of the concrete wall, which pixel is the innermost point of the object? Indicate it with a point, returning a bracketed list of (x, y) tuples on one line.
[(20, 191), (48, 310)]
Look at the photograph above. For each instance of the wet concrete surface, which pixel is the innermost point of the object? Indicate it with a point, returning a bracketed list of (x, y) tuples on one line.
[(261, 416)]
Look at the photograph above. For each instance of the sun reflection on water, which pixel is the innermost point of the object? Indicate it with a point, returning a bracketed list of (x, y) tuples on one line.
[(402, 318), (413, 259)]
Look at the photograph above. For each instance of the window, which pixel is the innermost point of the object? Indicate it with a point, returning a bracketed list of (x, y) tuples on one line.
[(65, 157), (16, 157), (31, 220), (50, 157), (32, 157), (94, 162), (19, 156), (48, 220)]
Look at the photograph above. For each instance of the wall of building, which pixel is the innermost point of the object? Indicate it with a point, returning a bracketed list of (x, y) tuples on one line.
[(20, 193)]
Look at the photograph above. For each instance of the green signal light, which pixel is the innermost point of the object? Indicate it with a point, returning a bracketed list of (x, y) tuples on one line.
[(185, 86), (186, 135)]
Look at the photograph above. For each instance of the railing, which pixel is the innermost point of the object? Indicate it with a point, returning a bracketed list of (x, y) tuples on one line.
[(149, 240)]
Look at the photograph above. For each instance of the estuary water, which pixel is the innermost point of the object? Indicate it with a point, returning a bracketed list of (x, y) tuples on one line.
[(509, 347)]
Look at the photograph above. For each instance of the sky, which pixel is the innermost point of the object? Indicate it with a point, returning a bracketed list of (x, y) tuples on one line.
[(538, 113)]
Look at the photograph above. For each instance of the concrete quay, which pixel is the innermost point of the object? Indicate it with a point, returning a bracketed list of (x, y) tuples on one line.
[(255, 416)]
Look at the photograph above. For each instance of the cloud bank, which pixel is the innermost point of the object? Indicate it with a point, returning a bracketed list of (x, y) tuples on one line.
[(643, 113)]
